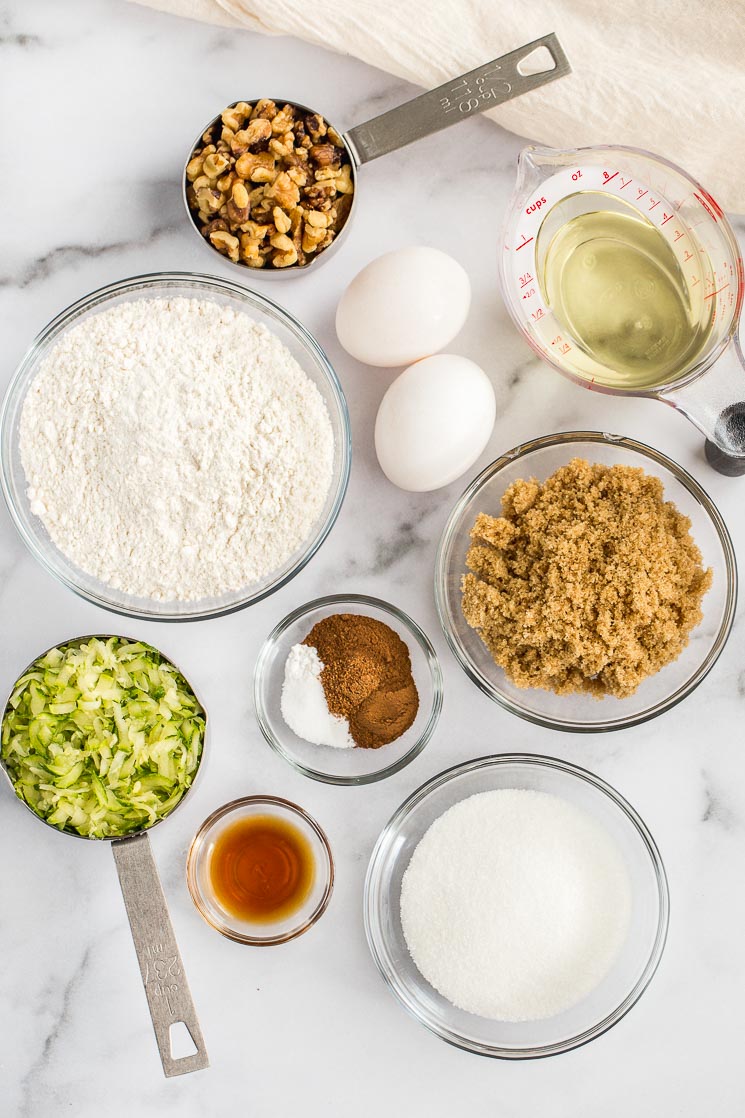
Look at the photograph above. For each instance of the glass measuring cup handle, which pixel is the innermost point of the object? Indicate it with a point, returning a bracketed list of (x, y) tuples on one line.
[(163, 977), (715, 403), (483, 88)]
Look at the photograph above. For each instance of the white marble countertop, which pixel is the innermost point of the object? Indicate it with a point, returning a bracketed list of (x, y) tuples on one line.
[(101, 100)]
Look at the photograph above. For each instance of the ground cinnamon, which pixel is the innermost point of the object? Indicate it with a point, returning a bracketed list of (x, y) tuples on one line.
[(366, 677)]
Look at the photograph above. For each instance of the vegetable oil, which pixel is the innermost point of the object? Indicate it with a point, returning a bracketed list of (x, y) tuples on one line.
[(615, 285)]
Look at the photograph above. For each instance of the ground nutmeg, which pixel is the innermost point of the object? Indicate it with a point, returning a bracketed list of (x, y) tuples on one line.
[(366, 677)]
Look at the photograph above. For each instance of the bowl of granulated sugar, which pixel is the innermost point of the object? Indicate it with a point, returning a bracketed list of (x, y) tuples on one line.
[(517, 906)]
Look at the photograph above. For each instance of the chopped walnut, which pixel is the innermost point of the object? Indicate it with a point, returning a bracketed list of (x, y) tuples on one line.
[(315, 126), (325, 155), (269, 185), (284, 190), (225, 243)]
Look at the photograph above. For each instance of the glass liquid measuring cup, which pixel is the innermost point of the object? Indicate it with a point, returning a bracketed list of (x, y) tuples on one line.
[(705, 375)]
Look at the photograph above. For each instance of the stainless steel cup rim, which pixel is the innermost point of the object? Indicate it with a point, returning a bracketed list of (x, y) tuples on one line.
[(73, 641)]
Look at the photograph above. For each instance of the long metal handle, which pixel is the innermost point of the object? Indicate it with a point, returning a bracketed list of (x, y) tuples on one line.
[(483, 88), (161, 968)]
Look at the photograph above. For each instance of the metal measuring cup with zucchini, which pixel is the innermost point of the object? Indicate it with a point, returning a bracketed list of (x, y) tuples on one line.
[(272, 185), (102, 738)]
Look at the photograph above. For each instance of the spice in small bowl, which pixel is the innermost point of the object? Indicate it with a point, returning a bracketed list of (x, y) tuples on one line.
[(349, 684), (260, 870), (269, 185), (350, 672)]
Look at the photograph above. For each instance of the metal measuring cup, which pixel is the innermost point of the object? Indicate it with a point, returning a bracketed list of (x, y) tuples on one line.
[(484, 88), (166, 988)]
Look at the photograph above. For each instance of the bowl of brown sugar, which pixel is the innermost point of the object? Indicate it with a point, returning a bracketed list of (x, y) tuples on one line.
[(586, 582), (348, 689)]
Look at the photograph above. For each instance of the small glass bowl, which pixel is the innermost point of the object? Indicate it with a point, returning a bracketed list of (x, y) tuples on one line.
[(323, 762), (198, 877), (165, 285), (582, 713), (629, 975)]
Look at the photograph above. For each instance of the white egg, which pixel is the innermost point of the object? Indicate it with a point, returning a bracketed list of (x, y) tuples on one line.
[(433, 422), (403, 306)]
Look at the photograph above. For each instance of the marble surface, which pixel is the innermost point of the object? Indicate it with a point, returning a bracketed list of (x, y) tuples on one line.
[(101, 101)]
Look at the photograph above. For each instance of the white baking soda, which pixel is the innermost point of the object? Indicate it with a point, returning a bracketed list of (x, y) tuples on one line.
[(303, 702), (515, 904)]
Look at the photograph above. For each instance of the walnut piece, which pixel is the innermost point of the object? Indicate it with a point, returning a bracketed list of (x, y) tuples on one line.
[(269, 185)]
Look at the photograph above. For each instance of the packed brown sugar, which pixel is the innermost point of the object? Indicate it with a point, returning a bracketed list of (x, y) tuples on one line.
[(588, 582)]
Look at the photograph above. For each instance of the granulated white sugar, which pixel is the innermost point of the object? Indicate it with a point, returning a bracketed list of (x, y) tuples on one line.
[(175, 449), (515, 904)]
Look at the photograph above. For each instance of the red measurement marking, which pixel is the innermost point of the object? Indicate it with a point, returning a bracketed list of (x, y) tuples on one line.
[(565, 348), (694, 281), (713, 293), (654, 204), (609, 178), (713, 208), (678, 234), (666, 217), (688, 256), (535, 315), (640, 193), (529, 294), (625, 184), (556, 340), (526, 279), (524, 242)]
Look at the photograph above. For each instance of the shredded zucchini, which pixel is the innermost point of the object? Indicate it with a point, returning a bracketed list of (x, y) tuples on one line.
[(102, 737)]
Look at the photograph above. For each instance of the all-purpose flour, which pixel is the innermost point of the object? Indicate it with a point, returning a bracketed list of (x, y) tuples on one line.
[(175, 449)]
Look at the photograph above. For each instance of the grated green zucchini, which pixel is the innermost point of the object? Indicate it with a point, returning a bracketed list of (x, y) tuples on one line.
[(102, 737)]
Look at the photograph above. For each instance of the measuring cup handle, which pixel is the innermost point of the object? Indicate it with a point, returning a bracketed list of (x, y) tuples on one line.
[(483, 88), (715, 403), (161, 968)]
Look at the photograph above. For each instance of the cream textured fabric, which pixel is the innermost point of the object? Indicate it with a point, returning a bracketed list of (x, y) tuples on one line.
[(665, 75)]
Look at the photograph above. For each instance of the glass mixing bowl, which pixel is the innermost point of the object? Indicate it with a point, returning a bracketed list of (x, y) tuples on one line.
[(581, 712), (324, 762), (162, 285), (629, 975)]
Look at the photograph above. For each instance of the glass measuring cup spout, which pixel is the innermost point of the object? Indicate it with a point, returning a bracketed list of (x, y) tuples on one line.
[(624, 274)]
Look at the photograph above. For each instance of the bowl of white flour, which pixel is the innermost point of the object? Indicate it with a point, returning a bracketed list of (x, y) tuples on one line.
[(174, 447), (517, 906)]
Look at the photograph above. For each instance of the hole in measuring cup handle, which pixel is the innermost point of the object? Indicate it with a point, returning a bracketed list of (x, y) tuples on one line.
[(539, 61), (181, 1041)]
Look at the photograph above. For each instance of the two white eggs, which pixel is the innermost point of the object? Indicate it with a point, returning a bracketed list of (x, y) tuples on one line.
[(438, 415)]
